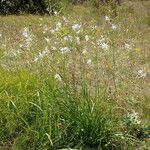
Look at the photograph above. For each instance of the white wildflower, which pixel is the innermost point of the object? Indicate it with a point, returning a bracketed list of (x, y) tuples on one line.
[(41, 54), (89, 62), (103, 43), (70, 38), (87, 38), (64, 18), (57, 77), (46, 51), (64, 50), (114, 27), (47, 40), (53, 48), (107, 18), (66, 38), (45, 27), (55, 13), (21, 46), (84, 52), (76, 27), (94, 27), (78, 40), (53, 31), (100, 41), (79, 31), (141, 73), (10, 54), (28, 37), (29, 41), (0, 35), (128, 46), (133, 117), (36, 59), (104, 46), (26, 32), (58, 25)]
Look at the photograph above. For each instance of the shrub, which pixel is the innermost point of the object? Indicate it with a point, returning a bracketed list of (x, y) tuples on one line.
[(43, 6), (28, 6)]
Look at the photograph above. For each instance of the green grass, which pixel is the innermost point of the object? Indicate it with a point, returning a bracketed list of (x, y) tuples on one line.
[(85, 89)]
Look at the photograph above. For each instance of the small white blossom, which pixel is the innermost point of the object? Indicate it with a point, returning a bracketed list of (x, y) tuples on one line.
[(141, 73), (94, 27), (79, 31), (26, 32), (70, 38), (104, 46), (103, 43), (128, 46), (53, 31), (100, 41), (58, 25), (87, 38), (78, 40), (36, 59), (10, 54), (84, 52), (76, 27), (107, 18), (114, 27), (64, 18), (21, 46), (133, 117), (53, 48), (29, 41), (41, 54), (55, 13), (57, 77), (28, 37), (89, 62), (66, 38), (0, 35), (64, 50), (47, 40), (45, 28)]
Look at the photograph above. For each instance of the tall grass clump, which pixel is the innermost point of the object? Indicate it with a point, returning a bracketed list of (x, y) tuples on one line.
[(42, 114)]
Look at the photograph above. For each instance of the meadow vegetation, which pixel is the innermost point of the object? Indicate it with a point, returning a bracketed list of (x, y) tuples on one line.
[(78, 79)]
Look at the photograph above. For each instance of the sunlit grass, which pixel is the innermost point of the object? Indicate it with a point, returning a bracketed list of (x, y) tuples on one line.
[(75, 80)]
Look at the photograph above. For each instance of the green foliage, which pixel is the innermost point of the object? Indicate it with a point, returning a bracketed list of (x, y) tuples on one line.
[(38, 115), (29, 6), (41, 6)]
